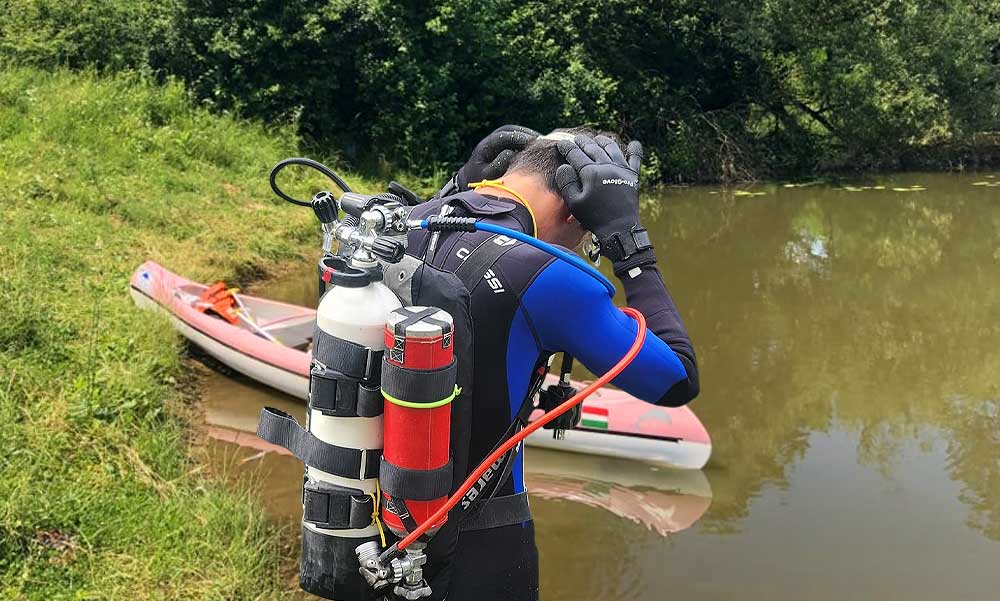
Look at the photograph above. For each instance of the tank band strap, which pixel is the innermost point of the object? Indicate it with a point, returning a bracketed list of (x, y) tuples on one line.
[(499, 511), (333, 507), (415, 485), (338, 395), (277, 427), (419, 386), (425, 315), (346, 357)]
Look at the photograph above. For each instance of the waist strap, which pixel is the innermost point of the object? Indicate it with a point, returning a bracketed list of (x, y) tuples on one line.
[(497, 512)]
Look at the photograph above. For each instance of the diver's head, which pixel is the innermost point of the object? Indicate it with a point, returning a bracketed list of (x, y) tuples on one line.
[(532, 173)]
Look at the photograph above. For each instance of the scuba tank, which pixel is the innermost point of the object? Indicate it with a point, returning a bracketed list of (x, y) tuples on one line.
[(419, 375), (345, 410), (419, 385), (342, 443)]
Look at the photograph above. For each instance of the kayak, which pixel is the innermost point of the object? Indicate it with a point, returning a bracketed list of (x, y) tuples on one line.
[(271, 345)]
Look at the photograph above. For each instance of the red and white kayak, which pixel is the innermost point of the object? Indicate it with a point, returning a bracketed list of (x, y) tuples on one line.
[(272, 346)]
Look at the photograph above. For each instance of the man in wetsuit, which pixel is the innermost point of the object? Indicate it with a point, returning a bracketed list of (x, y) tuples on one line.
[(527, 305)]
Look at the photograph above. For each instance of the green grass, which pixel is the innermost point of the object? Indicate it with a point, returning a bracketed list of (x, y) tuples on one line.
[(99, 494)]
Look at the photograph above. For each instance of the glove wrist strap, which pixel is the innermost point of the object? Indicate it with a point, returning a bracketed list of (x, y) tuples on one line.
[(622, 245)]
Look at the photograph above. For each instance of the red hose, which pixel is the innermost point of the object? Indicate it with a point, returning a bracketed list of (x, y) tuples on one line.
[(511, 442)]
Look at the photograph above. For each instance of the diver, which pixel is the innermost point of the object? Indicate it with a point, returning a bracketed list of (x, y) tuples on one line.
[(526, 306)]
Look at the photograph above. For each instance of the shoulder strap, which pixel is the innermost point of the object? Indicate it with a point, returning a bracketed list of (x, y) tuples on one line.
[(482, 258)]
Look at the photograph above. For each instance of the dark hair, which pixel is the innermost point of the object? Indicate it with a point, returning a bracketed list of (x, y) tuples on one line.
[(542, 158)]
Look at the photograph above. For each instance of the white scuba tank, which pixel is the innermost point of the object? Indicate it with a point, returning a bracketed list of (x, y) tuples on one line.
[(350, 321), (357, 315)]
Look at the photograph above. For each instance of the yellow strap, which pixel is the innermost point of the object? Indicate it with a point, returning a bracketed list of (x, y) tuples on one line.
[(430, 405), (377, 497), (498, 183)]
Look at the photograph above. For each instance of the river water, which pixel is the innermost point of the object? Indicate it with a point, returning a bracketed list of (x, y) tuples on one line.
[(848, 335)]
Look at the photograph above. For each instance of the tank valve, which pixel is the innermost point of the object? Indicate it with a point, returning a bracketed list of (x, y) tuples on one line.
[(405, 571)]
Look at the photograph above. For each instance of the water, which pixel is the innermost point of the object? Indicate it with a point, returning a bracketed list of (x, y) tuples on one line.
[(848, 344)]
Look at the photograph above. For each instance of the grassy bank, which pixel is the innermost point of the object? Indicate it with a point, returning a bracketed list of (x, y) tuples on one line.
[(99, 495)]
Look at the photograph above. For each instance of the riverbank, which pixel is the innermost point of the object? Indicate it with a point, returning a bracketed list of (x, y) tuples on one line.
[(99, 494)]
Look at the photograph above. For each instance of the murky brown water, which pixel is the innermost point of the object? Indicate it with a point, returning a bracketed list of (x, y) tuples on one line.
[(850, 351)]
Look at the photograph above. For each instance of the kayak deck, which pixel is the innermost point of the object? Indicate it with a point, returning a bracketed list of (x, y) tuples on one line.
[(628, 428)]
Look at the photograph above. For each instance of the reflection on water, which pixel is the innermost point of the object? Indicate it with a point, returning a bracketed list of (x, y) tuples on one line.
[(663, 500), (848, 341)]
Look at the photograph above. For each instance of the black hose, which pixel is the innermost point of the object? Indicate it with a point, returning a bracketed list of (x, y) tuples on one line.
[(308, 163)]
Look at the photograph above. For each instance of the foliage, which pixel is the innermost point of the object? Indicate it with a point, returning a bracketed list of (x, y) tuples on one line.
[(715, 89), (111, 35), (98, 492)]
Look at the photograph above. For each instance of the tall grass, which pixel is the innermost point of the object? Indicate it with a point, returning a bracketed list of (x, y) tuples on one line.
[(99, 496)]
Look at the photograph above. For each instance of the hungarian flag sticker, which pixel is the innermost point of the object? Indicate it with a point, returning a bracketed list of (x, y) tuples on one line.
[(595, 417)]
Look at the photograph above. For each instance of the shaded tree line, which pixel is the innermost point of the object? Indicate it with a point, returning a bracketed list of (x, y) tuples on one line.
[(716, 90)]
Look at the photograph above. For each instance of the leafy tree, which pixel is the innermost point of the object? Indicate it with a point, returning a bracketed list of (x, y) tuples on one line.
[(715, 90)]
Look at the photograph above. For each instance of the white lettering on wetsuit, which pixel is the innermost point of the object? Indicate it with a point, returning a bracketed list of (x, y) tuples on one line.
[(621, 182), (494, 281)]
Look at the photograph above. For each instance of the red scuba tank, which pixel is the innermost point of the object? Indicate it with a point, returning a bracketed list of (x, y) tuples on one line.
[(418, 382)]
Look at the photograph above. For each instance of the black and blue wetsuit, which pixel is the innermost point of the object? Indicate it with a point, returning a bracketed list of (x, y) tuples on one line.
[(526, 306)]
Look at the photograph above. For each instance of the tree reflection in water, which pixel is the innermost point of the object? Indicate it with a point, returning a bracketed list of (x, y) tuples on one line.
[(817, 308)]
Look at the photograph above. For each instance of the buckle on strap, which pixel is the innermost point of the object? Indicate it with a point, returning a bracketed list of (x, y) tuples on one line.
[(338, 395), (620, 246), (333, 507), (277, 427)]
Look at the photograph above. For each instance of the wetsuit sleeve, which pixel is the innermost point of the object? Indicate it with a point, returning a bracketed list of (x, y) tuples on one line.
[(646, 291), (572, 312)]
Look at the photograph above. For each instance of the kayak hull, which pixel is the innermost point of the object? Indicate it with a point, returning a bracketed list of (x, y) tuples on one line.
[(635, 430)]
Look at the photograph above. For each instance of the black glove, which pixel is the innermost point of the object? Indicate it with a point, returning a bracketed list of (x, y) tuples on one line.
[(490, 158), (601, 189)]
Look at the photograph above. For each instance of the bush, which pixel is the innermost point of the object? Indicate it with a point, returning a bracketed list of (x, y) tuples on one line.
[(714, 89)]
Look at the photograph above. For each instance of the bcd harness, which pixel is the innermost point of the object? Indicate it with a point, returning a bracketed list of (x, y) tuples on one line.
[(480, 509)]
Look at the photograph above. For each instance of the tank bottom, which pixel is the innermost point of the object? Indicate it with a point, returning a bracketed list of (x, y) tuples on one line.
[(329, 567)]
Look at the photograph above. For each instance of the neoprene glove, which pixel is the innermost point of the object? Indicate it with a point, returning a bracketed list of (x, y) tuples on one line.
[(490, 158), (600, 186)]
